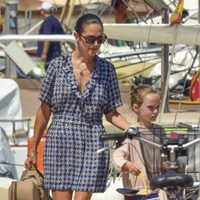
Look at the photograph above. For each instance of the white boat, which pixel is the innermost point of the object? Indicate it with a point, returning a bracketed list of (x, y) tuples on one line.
[(14, 132)]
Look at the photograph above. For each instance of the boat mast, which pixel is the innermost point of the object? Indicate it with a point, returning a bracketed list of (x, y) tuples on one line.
[(164, 67), (67, 12), (64, 11)]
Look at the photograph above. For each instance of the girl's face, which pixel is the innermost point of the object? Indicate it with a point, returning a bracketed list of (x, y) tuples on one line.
[(91, 39), (149, 109)]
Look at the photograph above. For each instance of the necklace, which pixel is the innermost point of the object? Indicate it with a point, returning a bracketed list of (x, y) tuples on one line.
[(81, 70)]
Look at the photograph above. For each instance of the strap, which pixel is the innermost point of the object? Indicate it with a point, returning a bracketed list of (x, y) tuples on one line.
[(143, 181), (27, 174)]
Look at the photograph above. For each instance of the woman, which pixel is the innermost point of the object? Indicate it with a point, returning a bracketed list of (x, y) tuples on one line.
[(78, 89)]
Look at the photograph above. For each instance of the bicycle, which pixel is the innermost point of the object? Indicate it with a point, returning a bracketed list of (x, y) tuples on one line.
[(175, 184)]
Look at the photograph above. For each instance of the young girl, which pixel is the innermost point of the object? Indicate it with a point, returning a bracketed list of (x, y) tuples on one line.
[(132, 154)]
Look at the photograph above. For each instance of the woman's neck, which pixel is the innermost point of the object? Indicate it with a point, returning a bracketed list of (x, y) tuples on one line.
[(83, 59)]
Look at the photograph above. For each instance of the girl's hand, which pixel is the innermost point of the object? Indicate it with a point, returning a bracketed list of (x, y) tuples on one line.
[(31, 161), (131, 168), (166, 165)]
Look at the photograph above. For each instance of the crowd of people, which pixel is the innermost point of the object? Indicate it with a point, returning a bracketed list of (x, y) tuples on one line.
[(79, 88)]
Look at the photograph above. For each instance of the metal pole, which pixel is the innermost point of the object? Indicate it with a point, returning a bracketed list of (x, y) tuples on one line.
[(7, 31), (164, 64), (199, 87), (10, 13), (64, 11), (67, 38), (199, 23)]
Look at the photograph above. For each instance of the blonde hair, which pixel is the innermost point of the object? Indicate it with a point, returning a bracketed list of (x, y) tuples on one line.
[(138, 93)]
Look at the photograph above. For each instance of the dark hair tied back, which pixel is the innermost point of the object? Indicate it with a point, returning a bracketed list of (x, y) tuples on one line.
[(86, 19)]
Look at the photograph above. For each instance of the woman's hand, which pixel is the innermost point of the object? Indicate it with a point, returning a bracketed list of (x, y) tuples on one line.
[(131, 168), (43, 57), (31, 161)]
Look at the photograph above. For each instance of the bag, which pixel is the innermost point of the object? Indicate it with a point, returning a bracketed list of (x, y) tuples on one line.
[(114, 183), (30, 185), (153, 196), (20, 190), (134, 194), (144, 194), (42, 67)]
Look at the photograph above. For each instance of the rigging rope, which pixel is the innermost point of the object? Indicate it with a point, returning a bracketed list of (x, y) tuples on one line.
[(196, 77)]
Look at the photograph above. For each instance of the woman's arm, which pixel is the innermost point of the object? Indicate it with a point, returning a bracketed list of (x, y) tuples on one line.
[(42, 118), (116, 119)]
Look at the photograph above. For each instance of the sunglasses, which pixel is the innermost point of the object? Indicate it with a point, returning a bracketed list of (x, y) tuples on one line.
[(91, 39)]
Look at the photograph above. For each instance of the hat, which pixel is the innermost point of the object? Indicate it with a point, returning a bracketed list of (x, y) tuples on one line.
[(47, 6)]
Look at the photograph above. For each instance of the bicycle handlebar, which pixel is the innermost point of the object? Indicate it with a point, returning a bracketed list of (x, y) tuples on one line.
[(130, 132), (113, 136), (134, 133), (170, 179)]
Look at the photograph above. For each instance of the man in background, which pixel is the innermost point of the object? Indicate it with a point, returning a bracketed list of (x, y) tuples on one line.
[(48, 50)]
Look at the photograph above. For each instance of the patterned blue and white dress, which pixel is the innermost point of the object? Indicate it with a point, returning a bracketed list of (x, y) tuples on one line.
[(70, 159)]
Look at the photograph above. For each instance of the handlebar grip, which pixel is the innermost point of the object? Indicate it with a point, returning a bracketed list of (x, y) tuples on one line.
[(132, 132), (112, 136)]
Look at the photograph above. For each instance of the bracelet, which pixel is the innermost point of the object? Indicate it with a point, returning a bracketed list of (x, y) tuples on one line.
[(44, 54)]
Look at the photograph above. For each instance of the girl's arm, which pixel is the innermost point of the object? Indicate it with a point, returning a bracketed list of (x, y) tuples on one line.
[(121, 159), (121, 154)]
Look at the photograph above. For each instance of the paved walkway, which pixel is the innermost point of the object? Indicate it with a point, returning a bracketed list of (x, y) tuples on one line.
[(29, 90)]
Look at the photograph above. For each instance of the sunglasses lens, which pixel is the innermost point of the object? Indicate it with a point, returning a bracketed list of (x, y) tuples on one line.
[(101, 39), (90, 39)]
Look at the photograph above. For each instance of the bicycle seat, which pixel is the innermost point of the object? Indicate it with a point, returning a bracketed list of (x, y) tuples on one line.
[(171, 179)]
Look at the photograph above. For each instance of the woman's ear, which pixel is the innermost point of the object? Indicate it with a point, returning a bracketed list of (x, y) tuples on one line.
[(135, 107), (76, 35)]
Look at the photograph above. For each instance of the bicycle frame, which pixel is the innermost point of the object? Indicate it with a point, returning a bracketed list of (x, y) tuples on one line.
[(173, 190)]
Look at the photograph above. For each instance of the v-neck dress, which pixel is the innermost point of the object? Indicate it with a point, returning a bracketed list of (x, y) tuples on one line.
[(70, 158)]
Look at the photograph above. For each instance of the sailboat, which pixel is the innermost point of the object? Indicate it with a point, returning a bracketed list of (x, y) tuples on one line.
[(184, 33)]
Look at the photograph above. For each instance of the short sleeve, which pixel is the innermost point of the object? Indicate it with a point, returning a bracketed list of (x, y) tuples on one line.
[(113, 94), (48, 82), (47, 27)]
